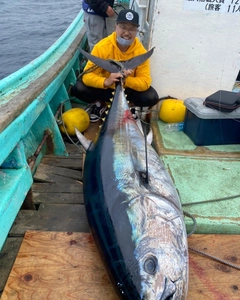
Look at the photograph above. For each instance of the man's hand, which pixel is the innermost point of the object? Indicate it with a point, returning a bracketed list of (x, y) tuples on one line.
[(113, 78), (110, 12), (126, 73)]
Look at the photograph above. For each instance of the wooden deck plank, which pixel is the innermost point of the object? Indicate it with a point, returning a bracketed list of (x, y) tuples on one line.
[(210, 279), (74, 150), (54, 265), (7, 258), (47, 173), (61, 265), (64, 190), (73, 162), (58, 198), (92, 130), (73, 188), (51, 217)]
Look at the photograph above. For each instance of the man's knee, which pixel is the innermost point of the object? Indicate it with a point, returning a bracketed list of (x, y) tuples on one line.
[(77, 89), (147, 98), (153, 97), (90, 94)]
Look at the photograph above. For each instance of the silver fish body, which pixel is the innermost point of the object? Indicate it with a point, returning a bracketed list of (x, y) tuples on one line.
[(138, 227)]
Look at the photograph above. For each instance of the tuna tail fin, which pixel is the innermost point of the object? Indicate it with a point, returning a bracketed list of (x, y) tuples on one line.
[(137, 60), (114, 67)]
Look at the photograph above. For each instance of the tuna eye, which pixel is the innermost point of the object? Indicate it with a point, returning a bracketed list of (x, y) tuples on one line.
[(150, 265)]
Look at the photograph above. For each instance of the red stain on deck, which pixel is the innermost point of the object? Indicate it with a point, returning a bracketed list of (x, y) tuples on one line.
[(202, 276)]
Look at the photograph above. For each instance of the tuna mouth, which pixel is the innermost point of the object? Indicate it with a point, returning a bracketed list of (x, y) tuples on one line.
[(168, 297), (169, 290)]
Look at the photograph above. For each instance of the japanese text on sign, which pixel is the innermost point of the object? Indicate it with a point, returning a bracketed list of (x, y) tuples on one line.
[(225, 6)]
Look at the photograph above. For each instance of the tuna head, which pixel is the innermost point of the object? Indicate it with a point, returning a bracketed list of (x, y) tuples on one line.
[(160, 249)]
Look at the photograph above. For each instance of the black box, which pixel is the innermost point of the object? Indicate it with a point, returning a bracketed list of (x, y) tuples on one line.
[(207, 126), (225, 101)]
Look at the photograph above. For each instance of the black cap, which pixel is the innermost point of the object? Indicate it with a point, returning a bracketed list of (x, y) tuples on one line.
[(128, 16)]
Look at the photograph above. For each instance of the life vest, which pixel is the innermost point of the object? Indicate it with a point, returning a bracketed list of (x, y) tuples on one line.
[(86, 7)]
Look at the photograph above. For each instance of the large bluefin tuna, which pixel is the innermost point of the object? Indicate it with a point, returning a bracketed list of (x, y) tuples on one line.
[(134, 211)]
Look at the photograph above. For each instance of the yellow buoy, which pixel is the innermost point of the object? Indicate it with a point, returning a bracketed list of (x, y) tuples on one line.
[(172, 111), (74, 118)]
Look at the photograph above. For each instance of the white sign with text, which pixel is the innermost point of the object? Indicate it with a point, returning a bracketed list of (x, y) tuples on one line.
[(223, 6)]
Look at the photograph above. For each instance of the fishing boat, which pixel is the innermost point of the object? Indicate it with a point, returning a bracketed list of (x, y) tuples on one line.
[(192, 60)]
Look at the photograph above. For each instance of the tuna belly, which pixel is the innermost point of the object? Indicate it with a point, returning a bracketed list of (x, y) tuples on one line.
[(106, 207), (112, 234)]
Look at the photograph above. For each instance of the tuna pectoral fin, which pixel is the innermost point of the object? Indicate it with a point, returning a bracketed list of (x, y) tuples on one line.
[(82, 139), (112, 67)]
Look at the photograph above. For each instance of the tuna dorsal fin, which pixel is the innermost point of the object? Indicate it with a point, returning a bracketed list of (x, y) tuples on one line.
[(112, 67)]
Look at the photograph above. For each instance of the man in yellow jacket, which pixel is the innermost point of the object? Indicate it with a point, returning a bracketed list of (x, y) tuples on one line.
[(96, 87)]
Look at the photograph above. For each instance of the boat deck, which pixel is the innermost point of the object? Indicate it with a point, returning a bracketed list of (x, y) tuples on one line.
[(65, 265), (201, 175), (58, 204)]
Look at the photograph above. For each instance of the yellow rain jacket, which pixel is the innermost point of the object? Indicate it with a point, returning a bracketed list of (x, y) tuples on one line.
[(139, 80)]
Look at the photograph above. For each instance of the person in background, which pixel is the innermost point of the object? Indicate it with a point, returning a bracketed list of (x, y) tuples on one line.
[(96, 87), (95, 14)]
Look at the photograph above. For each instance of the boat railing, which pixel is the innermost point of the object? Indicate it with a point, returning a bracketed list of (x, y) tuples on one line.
[(29, 102)]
